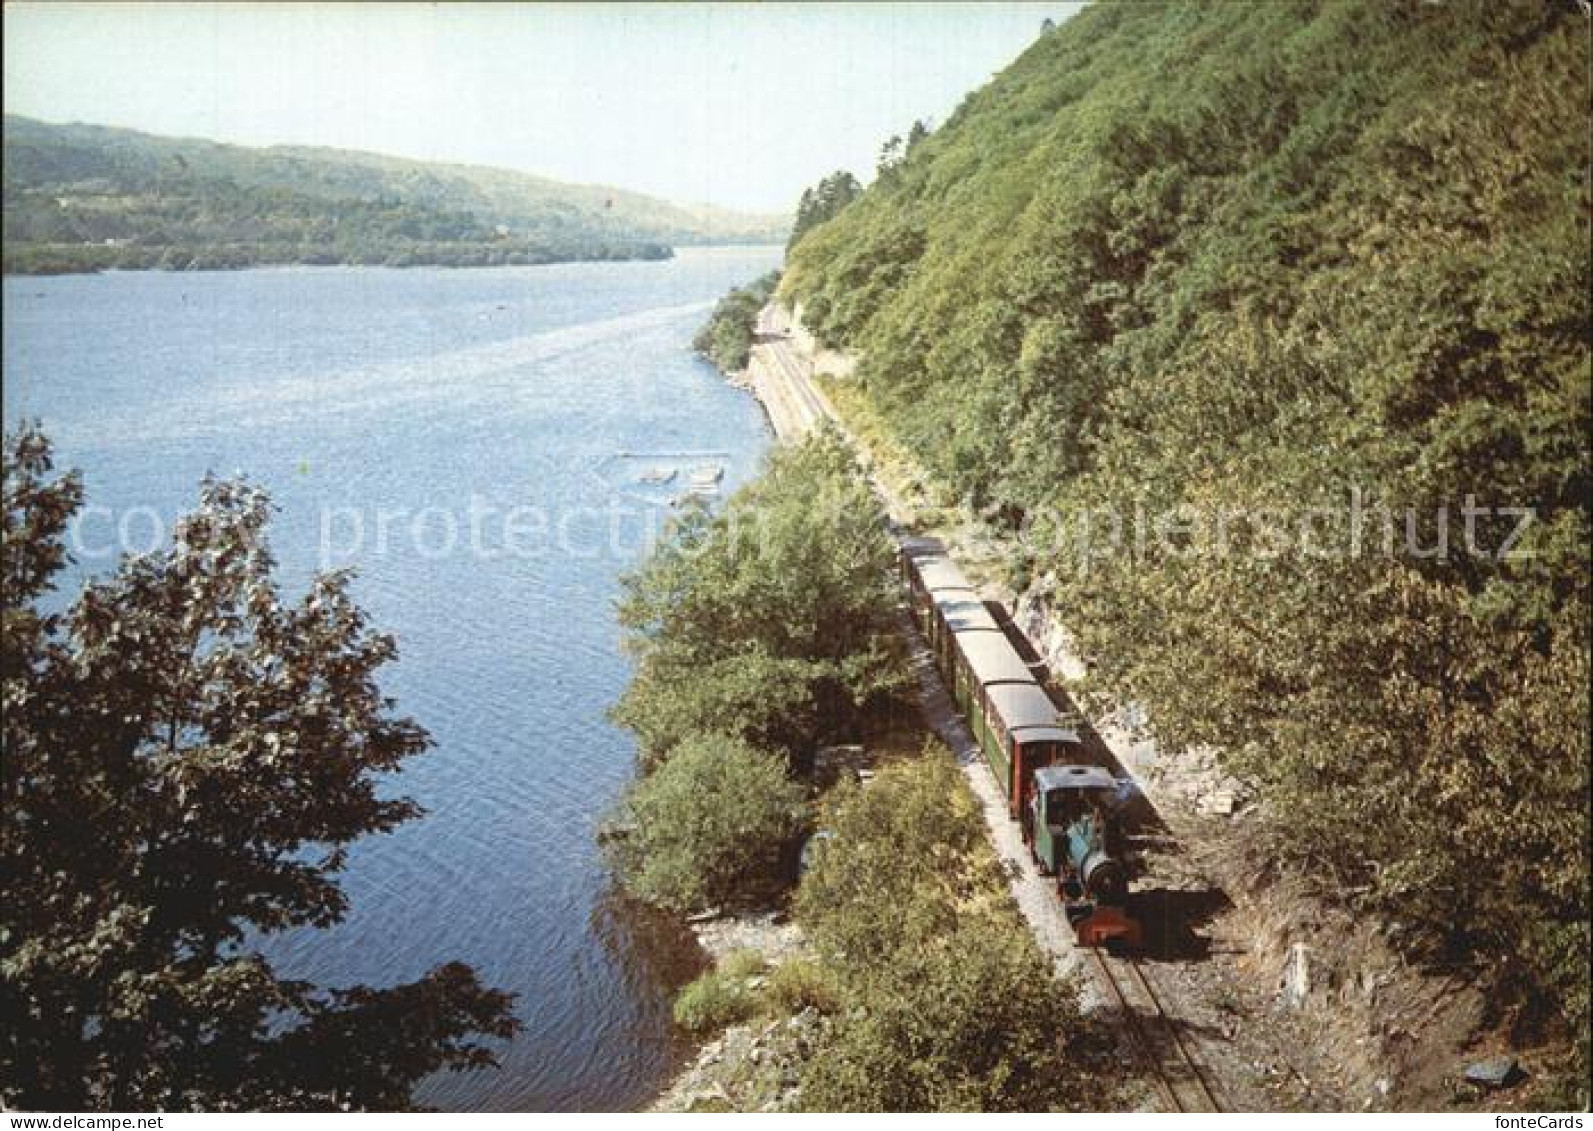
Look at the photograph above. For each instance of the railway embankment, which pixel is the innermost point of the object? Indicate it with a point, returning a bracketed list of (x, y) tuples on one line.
[(1284, 999)]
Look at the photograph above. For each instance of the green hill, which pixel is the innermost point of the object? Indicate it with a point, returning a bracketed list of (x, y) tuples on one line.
[(84, 197), (1220, 271)]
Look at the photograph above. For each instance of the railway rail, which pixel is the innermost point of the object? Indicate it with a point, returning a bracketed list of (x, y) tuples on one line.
[(1164, 1051), (809, 408)]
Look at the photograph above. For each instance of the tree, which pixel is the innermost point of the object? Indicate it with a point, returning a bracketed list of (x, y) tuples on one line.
[(186, 760), (866, 895), (823, 202), (891, 155), (726, 338), (703, 824), (772, 622)]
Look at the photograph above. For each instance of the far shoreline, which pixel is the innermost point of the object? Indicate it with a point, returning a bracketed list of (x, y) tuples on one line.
[(685, 251)]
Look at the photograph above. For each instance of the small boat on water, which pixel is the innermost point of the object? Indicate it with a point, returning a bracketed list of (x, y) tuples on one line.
[(707, 477), (659, 475), (701, 483)]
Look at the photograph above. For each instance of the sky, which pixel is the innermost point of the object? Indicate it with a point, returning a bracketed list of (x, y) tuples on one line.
[(740, 105)]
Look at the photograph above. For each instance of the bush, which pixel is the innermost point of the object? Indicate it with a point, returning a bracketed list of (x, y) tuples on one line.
[(907, 859), (800, 983), (941, 998), (773, 621), (743, 964), (970, 1021), (724, 995), (714, 1001), (726, 339), (713, 817)]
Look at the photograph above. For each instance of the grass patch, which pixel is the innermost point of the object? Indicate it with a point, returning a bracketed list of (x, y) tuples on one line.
[(714, 1001), (801, 983)]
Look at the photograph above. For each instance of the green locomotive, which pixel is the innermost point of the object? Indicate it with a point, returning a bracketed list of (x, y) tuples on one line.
[(1068, 825)]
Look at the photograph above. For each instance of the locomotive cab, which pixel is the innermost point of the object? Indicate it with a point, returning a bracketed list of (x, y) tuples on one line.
[(1071, 835)]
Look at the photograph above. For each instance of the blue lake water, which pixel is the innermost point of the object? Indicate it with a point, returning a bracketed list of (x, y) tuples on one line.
[(473, 443)]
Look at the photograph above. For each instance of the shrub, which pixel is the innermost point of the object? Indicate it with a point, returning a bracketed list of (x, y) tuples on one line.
[(724, 995), (970, 1021), (714, 1001), (801, 983), (942, 1001), (743, 964), (717, 814), (907, 858), (726, 338)]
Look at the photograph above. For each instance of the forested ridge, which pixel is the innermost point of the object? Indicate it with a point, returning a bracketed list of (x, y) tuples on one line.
[(1266, 261), (89, 197)]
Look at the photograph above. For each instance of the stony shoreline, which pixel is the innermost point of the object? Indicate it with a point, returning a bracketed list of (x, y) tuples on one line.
[(755, 1066)]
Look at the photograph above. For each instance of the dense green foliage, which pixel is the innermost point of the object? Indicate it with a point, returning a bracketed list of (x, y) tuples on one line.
[(186, 759), (717, 814), (801, 983), (824, 201), (757, 632), (726, 338), (84, 198), (772, 621), (741, 987), (1185, 260), (946, 1003), (907, 859)]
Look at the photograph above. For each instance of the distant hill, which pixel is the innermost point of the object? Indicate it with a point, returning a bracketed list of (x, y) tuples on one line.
[(83, 198)]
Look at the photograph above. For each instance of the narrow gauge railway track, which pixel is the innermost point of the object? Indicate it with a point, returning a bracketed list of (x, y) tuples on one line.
[(1166, 1055), (811, 409), (810, 397)]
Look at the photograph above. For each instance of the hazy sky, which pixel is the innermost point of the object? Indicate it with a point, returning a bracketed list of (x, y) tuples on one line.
[(738, 104)]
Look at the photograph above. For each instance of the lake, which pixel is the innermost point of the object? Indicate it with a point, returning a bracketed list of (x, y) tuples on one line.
[(482, 446)]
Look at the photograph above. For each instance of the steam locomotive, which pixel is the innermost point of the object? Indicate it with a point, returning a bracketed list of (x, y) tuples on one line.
[(1066, 806)]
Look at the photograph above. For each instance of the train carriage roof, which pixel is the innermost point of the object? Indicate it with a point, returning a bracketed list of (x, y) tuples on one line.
[(1074, 777), (940, 574), (918, 546), (965, 613), (1067, 736), (992, 658), (1028, 711)]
